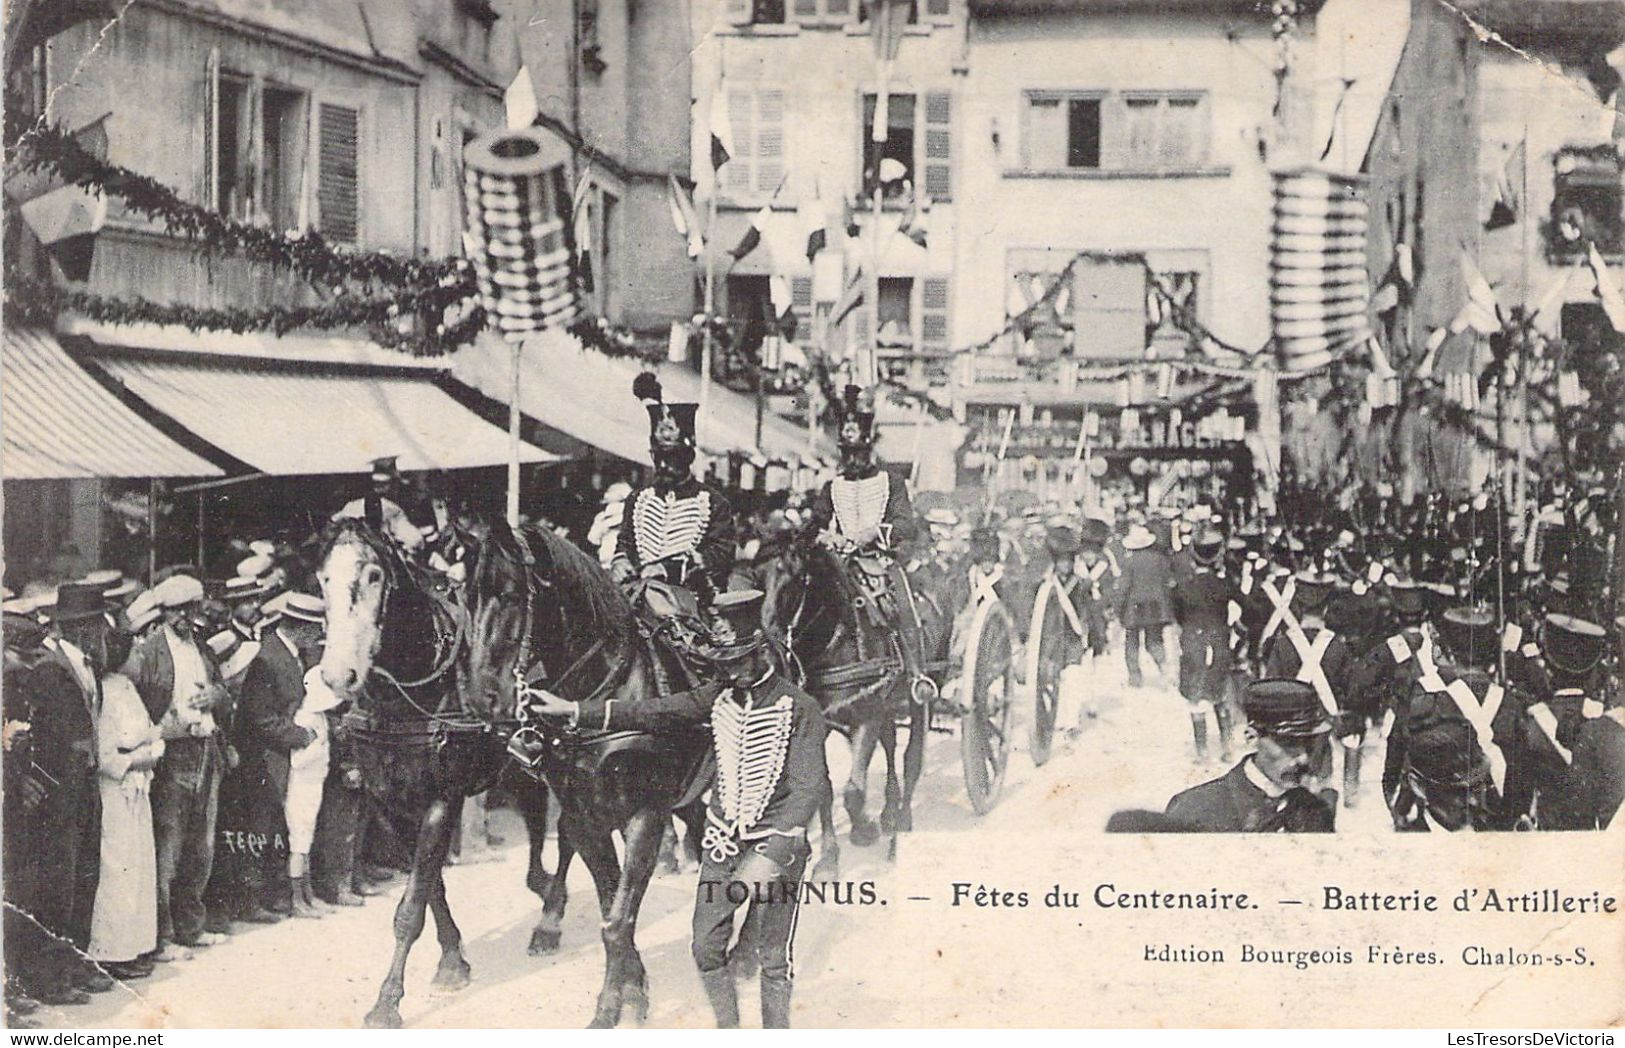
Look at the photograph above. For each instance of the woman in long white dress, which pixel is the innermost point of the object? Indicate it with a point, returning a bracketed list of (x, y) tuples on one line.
[(307, 770), (124, 922)]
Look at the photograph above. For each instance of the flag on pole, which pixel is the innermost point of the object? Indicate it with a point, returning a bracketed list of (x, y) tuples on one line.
[(581, 228), (684, 218), (1612, 303), (851, 297), (753, 233), (1509, 189), (519, 100), (1481, 313), (722, 139)]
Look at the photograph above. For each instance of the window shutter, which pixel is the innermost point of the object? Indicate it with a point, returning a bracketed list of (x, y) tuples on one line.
[(859, 330), (738, 12), (211, 130), (938, 145), (736, 174), (935, 296), (337, 196), (801, 304), (1043, 138), (769, 152)]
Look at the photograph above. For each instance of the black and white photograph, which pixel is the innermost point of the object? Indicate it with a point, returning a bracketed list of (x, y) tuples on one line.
[(813, 513)]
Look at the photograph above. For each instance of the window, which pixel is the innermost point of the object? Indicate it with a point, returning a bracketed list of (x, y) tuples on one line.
[(757, 159), (895, 313), (914, 316), (1061, 131), (822, 12), (256, 144), (1090, 130), (919, 138), (913, 12)]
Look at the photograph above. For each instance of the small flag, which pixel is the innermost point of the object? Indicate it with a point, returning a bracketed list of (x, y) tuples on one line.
[(1607, 290), (684, 218), (721, 130), (581, 228), (917, 223), (1509, 188), (1481, 312), (851, 297), (519, 100), (817, 240), (753, 234)]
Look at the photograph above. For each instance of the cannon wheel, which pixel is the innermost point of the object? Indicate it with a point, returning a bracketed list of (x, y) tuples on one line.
[(1045, 645), (984, 727)]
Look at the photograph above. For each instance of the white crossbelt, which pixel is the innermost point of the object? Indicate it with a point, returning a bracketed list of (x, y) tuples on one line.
[(1310, 654), (1282, 601), (982, 585), (1546, 720), (1481, 716), (1066, 607)]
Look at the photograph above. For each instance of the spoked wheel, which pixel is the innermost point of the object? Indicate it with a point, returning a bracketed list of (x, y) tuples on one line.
[(984, 729), (1046, 657)]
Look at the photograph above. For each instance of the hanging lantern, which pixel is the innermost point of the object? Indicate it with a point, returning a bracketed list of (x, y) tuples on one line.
[(514, 232), (1319, 291)]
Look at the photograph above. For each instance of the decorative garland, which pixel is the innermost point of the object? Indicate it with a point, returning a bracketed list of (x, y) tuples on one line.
[(308, 254)]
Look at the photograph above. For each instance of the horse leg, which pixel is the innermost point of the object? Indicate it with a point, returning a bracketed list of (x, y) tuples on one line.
[(452, 974), (828, 867), (532, 801), (894, 793), (597, 850), (864, 832), (919, 728), (434, 838), (642, 839)]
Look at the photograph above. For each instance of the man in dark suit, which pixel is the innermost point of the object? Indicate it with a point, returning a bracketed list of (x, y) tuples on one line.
[(180, 685), (273, 687), (61, 843), (1203, 596), (1266, 792)]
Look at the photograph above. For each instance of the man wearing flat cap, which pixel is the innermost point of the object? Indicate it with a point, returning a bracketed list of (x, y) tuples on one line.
[(1268, 791), (768, 744), (179, 683)]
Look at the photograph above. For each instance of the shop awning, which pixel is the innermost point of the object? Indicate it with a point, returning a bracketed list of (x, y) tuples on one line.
[(588, 396), (58, 422), (290, 423)]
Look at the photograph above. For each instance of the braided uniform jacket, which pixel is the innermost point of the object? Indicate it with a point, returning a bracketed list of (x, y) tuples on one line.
[(768, 741), (851, 506), (692, 518)]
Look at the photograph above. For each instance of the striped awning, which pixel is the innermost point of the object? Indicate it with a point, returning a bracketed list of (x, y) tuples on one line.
[(58, 422), (288, 422)]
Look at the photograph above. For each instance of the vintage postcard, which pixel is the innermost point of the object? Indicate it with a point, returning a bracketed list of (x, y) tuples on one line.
[(814, 513)]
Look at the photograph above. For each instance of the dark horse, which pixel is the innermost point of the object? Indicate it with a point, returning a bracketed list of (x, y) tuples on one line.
[(851, 665), (395, 645), (546, 614)]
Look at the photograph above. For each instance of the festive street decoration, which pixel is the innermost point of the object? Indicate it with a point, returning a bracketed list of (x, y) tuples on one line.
[(1318, 286)]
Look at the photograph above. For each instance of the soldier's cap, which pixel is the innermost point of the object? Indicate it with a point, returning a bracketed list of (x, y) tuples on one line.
[(1208, 545), (741, 609), (1406, 597), (1470, 634), (177, 591), (1311, 590), (1446, 754), (76, 601), (1572, 645), (1285, 708), (304, 607), (1062, 542)]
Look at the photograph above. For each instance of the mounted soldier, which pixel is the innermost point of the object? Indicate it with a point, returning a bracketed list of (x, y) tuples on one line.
[(864, 513), (380, 508), (676, 543)]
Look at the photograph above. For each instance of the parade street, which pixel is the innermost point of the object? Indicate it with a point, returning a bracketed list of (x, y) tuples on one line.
[(1136, 754)]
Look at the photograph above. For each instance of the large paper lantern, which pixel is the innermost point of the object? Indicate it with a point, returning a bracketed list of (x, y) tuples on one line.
[(1319, 290)]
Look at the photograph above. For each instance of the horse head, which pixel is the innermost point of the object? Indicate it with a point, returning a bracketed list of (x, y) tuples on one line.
[(536, 600), (355, 574)]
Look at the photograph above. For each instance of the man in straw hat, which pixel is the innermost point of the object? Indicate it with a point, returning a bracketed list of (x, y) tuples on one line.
[(768, 738), (1144, 600)]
